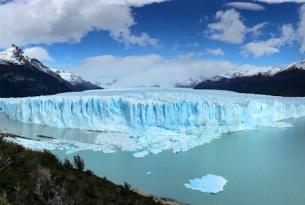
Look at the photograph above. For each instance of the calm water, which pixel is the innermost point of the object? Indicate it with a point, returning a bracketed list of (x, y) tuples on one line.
[(263, 167)]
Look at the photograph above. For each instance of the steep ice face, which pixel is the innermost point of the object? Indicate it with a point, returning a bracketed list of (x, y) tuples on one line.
[(149, 121)]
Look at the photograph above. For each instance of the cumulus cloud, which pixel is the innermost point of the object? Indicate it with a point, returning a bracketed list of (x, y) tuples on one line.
[(281, 1), (272, 45), (38, 53), (151, 70), (215, 52), (228, 28), (245, 6), (301, 28), (37, 21)]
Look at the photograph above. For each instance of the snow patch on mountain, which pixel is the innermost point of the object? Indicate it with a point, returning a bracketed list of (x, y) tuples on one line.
[(266, 71), (68, 76), (295, 65), (13, 55)]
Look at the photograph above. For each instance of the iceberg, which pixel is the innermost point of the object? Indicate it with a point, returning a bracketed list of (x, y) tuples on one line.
[(140, 154), (148, 121), (208, 184)]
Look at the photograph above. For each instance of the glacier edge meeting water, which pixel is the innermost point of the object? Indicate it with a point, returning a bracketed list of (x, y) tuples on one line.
[(151, 120)]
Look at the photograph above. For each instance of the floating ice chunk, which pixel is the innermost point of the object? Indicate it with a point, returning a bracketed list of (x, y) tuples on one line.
[(209, 184), (108, 151), (141, 154), (180, 147), (155, 150)]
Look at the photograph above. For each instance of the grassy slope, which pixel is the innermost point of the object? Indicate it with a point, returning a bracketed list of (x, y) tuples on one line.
[(32, 177)]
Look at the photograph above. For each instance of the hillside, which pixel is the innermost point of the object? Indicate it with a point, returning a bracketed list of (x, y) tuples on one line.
[(30, 177)]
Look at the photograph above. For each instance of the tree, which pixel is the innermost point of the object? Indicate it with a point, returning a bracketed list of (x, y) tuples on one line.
[(68, 164), (79, 163)]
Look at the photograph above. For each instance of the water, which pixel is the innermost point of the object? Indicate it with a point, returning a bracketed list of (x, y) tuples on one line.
[(264, 166)]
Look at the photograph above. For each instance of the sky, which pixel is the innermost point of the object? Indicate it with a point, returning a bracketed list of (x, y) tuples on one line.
[(155, 42)]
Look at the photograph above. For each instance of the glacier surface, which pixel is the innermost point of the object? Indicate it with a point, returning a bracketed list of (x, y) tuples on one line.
[(209, 184), (148, 121)]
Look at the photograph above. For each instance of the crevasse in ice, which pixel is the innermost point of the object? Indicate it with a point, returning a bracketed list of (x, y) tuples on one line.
[(154, 119)]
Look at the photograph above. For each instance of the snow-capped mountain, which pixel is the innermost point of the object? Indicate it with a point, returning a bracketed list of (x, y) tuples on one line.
[(22, 76), (266, 71), (300, 65), (77, 81), (285, 81)]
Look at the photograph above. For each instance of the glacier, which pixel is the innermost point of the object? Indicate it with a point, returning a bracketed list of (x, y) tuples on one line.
[(209, 184), (148, 121)]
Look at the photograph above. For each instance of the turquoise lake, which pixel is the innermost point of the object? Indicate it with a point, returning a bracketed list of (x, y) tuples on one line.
[(262, 166)]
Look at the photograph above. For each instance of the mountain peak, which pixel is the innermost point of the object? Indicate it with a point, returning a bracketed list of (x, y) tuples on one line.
[(15, 50), (296, 65), (14, 54)]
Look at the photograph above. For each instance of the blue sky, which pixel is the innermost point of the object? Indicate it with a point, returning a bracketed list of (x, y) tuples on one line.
[(179, 25), (71, 33)]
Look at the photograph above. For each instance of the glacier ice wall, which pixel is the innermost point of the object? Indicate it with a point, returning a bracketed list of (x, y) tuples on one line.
[(156, 119)]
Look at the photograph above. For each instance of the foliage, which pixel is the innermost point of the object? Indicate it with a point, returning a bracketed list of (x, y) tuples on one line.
[(38, 178)]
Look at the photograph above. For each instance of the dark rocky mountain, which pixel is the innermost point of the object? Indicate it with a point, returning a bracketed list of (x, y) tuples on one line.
[(288, 81), (21, 76)]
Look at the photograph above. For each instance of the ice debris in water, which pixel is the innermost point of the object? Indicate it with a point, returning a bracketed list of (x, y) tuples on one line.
[(208, 184)]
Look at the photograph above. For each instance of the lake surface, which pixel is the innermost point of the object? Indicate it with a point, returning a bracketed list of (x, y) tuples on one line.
[(263, 166)]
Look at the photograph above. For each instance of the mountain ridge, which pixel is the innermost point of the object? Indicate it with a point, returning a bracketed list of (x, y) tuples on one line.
[(288, 81), (22, 76)]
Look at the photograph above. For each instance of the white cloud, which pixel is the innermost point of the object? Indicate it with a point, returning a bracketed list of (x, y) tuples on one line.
[(272, 45), (215, 52), (281, 1), (38, 53), (37, 21), (245, 6), (229, 27), (301, 28), (150, 70), (257, 29)]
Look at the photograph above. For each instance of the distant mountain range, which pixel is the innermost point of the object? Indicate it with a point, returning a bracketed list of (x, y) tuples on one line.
[(22, 76), (286, 81)]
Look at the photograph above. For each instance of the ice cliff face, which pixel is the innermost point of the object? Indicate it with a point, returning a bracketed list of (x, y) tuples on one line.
[(154, 120)]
